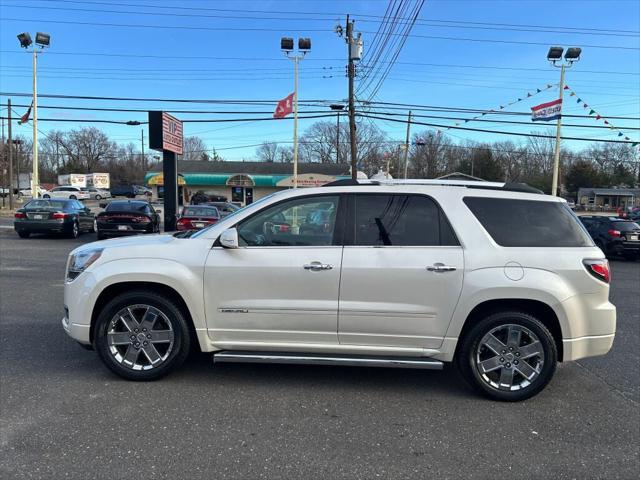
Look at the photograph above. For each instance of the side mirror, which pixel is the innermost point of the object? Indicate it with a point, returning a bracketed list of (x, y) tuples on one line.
[(229, 238)]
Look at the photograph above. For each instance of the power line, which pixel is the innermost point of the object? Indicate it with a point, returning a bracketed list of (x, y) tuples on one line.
[(499, 132), (262, 29), (362, 17)]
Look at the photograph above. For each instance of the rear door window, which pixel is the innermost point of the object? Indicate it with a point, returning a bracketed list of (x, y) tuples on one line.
[(529, 223), (399, 220), (625, 226)]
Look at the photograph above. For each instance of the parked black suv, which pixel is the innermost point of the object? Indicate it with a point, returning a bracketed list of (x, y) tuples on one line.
[(614, 236), (129, 191)]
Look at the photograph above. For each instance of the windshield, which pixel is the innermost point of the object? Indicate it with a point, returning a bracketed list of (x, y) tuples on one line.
[(231, 215)]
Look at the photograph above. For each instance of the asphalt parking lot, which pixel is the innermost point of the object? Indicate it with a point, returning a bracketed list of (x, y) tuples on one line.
[(63, 415)]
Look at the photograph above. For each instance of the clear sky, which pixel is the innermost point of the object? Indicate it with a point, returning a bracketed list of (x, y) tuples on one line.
[(230, 50)]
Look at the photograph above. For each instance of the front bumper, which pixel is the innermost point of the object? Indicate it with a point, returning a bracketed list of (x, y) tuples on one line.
[(80, 333)]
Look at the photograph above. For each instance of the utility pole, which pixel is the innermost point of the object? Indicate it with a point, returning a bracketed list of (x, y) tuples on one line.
[(10, 145), (352, 109), (338, 140), (144, 163), (406, 146), (556, 155)]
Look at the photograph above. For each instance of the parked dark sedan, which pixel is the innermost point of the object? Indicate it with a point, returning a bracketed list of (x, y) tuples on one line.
[(225, 208), (127, 217), (53, 216), (614, 236), (129, 191), (197, 217)]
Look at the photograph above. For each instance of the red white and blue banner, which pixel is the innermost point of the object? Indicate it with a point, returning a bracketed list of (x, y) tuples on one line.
[(546, 112)]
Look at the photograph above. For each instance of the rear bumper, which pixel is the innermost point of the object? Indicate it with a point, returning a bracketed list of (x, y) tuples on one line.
[(113, 232), (42, 227), (577, 348)]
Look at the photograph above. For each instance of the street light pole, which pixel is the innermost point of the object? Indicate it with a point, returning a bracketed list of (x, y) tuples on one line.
[(556, 155), (296, 60), (35, 182), (406, 146), (304, 46), (555, 55)]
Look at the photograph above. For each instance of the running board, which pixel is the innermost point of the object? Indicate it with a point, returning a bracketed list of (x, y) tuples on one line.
[(350, 361)]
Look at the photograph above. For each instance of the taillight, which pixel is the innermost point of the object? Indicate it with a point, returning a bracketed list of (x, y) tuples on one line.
[(614, 233), (598, 268), (19, 215), (140, 219), (59, 215)]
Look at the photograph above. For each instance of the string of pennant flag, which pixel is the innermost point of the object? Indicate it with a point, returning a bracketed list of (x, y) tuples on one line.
[(529, 94), (593, 113)]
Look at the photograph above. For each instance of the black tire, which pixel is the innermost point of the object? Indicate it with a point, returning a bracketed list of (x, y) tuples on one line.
[(98, 197), (23, 234), (74, 231), (175, 355), (470, 350), (46, 195), (73, 197), (93, 228), (101, 236)]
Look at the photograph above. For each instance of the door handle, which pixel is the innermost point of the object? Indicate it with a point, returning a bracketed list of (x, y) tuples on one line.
[(440, 267), (317, 266)]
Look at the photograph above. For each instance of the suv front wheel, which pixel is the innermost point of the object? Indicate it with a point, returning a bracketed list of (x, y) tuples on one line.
[(142, 335), (508, 356)]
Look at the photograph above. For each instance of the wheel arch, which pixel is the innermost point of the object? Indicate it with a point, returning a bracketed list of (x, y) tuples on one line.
[(115, 289), (540, 310)]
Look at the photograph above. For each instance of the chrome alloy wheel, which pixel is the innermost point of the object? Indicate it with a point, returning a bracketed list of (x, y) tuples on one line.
[(140, 337), (509, 357)]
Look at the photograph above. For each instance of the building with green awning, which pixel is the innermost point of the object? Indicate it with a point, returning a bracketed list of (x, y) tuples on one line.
[(243, 182)]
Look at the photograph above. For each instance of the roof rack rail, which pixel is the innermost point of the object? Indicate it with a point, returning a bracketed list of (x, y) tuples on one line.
[(508, 186)]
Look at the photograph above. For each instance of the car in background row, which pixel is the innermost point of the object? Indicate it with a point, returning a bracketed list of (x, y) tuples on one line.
[(127, 217), (129, 191), (225, 208), (614, 236), (196, 217), (69, 217), (26, 192), (96, 193), (72, 193)]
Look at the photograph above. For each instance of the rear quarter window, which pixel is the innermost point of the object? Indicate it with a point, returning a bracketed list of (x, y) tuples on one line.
[(529, 223), (625, 226)]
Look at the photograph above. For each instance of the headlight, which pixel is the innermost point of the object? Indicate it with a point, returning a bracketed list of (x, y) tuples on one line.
[(79, 262)]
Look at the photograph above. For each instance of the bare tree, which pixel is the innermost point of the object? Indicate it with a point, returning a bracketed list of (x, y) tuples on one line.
[(193, 148), (267, 152), (86, 148)]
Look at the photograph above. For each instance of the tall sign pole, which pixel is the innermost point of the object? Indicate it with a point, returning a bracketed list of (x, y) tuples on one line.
[(556, 156), (165, 134)]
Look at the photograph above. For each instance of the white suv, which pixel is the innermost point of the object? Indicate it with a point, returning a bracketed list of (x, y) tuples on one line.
[(497, 278)]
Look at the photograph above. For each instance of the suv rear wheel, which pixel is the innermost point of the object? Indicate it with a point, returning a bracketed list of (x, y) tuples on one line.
[(508, 356), (142, 335)]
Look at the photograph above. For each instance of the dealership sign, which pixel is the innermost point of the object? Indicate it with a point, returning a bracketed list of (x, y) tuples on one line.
[(165, 132)]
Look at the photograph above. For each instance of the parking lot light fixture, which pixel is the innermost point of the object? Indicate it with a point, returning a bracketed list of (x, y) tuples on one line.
[(25, 40), (42, 40), (555, 57), (304, 47)]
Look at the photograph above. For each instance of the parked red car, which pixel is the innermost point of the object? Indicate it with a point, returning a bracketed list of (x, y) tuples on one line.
[(196, 217)]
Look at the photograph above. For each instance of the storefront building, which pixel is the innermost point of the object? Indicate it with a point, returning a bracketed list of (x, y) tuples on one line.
[(608, 198), (243, 182)]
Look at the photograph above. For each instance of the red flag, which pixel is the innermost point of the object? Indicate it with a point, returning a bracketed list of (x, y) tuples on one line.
[(25, 118), (284, 108)]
